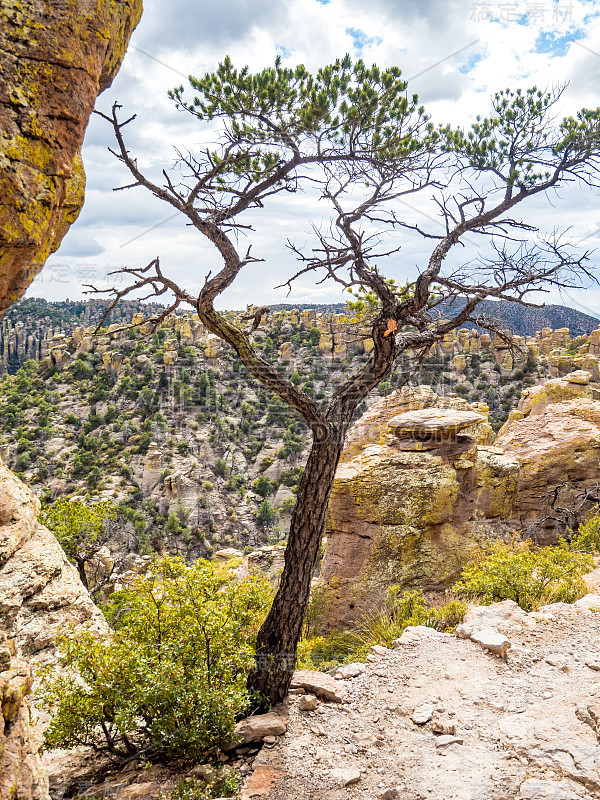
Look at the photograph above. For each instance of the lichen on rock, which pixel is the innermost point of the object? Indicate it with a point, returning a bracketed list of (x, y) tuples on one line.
[(56, 59), (406, 511)]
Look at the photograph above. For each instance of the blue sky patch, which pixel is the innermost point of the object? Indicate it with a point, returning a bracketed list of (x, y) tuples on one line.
[(470, 62), (361, 39), (555, 44)]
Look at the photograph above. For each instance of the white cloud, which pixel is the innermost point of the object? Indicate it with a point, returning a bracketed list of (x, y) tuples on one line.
[(178, 37)]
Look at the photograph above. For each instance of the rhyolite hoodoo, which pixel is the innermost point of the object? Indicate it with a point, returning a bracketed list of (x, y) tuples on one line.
[(422, 479)]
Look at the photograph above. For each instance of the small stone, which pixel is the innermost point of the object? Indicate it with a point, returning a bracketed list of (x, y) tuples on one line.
[(422, 714), (347, 777), (492, 640), (308, 702), (579, 376), (364, 741), (350, 670), (444, 741), (320, 684), (593, 665), (254, 729), (391, 794), (379, 650), (444, 726)]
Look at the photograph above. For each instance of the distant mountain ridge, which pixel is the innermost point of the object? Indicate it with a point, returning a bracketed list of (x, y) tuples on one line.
[(525, 321), (521, 320)]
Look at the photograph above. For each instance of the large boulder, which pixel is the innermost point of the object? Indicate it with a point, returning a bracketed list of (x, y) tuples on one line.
[(40, 592), (405, 512), (574, 385), (56, 58), (556, 445), (372, 427)]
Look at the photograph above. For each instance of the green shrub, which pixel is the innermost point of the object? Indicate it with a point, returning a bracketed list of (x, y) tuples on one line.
[(172, 678), (288, 506), (263, 486), (325, 652), (587, 537), (531, 576), (220, 468), (404, 609), (380, 627), (222, 784), (23, 461)]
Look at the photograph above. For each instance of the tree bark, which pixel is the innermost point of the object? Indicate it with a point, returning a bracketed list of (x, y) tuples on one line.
[(278, 638)]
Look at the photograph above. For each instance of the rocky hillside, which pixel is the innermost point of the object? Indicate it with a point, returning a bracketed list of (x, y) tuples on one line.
[(197, 454), (29, 326)]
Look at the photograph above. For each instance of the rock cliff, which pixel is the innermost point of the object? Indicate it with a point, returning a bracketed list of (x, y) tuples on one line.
[(39, 592), (56, 59), (405, 510)]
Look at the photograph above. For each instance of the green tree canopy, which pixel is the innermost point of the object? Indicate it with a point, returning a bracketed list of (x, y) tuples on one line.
[(81, 529)]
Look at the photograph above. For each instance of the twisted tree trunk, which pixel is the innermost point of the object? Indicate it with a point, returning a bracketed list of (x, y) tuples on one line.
[(278, 638)]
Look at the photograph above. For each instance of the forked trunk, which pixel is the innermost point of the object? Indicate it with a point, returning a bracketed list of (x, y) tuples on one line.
[(278, 638)]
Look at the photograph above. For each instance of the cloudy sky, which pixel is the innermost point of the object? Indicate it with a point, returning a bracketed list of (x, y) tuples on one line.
[(454, 53)]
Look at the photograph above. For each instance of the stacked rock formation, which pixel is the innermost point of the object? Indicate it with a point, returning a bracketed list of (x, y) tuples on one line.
[(420, 482), (56, 59), (414, 490)]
